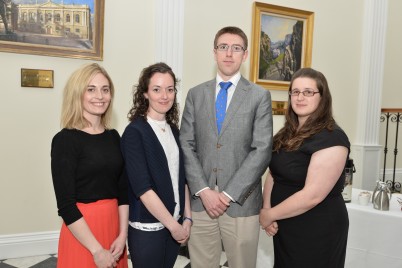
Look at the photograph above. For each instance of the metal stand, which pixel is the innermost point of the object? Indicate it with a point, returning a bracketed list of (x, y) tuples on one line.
[(396, 117)]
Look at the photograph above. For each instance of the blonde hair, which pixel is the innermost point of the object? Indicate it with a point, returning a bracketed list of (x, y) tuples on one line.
[(72, 108)]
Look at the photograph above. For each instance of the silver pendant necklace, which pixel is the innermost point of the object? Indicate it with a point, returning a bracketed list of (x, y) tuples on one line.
[(159, 124)]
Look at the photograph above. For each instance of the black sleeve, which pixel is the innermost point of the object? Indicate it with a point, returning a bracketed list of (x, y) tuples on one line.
[(64, 159), (326, 139), (123, 180)]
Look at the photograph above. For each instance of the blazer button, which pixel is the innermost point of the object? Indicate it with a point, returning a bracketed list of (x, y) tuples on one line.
[(214, 170), (218, 145)]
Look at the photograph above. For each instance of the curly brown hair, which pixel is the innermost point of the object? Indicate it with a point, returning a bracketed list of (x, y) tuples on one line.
[(141, 104), (291, 137)]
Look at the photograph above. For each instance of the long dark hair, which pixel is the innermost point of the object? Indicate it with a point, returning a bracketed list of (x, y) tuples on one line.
[(141, 104), (290, 137)]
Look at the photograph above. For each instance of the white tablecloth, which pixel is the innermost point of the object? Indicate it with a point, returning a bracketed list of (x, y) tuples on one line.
[(374, 241), (375, 237)]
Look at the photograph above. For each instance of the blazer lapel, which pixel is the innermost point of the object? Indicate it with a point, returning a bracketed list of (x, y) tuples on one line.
[(210, 102), (237, 99)]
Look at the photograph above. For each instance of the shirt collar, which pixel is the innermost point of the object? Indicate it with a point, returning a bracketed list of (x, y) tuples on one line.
[(234, 79)]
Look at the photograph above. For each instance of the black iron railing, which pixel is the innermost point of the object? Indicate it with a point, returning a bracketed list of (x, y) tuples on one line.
[(395, 116)]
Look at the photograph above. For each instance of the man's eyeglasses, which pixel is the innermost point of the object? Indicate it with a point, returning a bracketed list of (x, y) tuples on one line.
[(306, 93), (233, 48)]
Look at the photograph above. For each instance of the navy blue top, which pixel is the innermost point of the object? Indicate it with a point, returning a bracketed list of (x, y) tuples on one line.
[(147, 168)]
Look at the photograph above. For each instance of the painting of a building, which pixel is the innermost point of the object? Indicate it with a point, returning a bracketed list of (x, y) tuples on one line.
[(73, 21), (47, 23)]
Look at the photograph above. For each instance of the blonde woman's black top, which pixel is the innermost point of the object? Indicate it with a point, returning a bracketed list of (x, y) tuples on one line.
[(86, 168)]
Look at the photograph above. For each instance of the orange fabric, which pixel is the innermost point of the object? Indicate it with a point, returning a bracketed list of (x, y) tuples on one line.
[(102, 218)]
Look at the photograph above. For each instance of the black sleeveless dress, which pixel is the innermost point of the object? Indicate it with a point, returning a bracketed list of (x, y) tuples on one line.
[(318, 237)]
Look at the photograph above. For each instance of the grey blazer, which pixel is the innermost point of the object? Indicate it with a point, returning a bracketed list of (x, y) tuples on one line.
[(237, 158)]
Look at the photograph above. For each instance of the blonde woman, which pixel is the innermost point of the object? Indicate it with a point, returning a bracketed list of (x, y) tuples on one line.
[(88, 178)]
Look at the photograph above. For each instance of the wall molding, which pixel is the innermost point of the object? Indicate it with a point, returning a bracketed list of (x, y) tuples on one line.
[(367, 147), (28, 244), (169, 36)]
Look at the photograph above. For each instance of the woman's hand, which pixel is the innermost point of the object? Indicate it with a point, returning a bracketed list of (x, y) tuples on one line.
[(118, 246), (187, 226), (272, 229), (104, 259), (179, 233), (265, 218)]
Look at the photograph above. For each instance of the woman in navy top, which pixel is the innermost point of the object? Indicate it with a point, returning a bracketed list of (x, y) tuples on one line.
[(160, 215)]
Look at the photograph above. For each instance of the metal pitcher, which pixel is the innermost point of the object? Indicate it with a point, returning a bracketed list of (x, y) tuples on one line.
[(381, 196)]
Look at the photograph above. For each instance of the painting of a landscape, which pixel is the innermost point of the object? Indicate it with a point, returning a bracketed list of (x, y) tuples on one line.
[(282, 44), (280, 48)]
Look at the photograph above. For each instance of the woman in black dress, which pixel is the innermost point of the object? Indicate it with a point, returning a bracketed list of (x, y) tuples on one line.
[(303, 205)]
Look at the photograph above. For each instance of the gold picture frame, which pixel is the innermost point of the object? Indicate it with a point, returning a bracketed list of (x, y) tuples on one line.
[(282, 44), (59, 28)]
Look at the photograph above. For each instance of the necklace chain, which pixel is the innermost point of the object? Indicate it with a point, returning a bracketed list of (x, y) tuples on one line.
[(158, 124)]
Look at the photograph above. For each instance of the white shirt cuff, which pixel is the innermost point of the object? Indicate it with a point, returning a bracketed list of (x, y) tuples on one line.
[(228, 196), (198, 193)]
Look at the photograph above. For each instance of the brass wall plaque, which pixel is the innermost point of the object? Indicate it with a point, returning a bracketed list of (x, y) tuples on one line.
[(279, 107), (37, 78)]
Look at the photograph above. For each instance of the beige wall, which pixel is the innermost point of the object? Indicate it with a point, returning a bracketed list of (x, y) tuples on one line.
[(392, 88), (30, 116), (336, 51)]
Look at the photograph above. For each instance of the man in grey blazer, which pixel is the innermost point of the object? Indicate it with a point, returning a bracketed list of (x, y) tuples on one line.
[(224, 163)]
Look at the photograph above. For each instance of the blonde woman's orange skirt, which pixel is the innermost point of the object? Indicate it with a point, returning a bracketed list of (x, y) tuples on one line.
[(102, 218)]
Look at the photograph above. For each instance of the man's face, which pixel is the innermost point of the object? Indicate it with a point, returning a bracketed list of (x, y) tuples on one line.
[(229, 61)]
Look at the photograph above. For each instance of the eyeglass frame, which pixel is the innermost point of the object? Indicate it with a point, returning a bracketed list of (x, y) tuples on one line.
[(231, 48), (311, 91)]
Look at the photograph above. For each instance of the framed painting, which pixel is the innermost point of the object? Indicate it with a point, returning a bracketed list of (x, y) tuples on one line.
[(60, 28), (282, 44)]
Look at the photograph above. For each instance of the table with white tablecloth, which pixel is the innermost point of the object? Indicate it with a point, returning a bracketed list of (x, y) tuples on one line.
[(374, 241), (375, 237)]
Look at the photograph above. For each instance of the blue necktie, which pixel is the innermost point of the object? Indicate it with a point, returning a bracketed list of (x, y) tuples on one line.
[(220, 104)]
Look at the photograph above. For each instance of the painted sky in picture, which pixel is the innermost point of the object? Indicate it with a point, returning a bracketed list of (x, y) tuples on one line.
[(277, 27), (67, 2)]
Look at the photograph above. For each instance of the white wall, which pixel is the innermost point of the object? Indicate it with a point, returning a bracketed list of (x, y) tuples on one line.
[(30, 116)]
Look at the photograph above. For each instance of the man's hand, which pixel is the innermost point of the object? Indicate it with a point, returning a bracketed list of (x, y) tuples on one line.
[(224, 199), (212, 203)]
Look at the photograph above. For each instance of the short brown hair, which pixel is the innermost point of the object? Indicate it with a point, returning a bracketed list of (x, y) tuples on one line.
[(231, 30)]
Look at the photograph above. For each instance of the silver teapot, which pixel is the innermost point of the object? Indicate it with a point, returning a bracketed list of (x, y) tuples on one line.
[(381, 196)]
